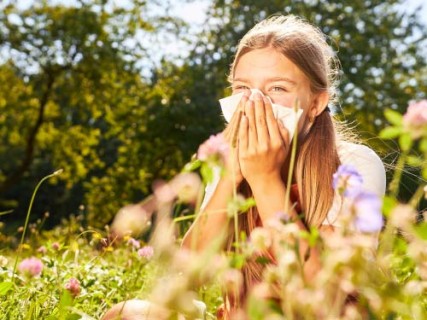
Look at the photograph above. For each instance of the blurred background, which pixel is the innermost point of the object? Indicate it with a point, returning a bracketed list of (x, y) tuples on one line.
[(120, 93)]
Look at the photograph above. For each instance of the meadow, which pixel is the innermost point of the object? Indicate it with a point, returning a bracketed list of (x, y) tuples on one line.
[(75, 271)]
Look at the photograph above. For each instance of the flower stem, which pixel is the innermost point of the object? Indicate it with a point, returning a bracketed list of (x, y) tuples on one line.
[(58, 172), (394, 184), (292, 161)]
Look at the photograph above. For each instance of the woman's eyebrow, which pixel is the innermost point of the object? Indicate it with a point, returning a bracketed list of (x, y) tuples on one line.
[(285, 79), (273, 79)]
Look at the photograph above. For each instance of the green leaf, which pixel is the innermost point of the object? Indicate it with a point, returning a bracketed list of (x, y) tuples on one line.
[(249, 203), (414, 161), (206, 172), (65, 302), (5, 287), (262, 260), (237, 261), (390, 132), (5, 212), (421, 230), (193, 165), (393, 117), (423, 145), (388, 205), (405, 142)]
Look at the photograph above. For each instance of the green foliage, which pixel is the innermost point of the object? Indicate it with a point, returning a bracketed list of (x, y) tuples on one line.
[(75, 94)]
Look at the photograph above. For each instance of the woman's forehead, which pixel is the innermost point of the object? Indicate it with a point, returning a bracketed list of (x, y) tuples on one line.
[(268, 64)]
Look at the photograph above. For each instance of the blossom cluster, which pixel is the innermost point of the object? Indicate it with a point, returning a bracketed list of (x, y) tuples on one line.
[(365, 205)]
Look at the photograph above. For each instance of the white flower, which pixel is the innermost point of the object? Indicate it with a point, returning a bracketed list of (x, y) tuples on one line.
[(261, 239), (131, 219)]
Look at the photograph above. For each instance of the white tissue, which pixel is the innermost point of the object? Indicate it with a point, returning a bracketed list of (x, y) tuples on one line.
[(288, 116)]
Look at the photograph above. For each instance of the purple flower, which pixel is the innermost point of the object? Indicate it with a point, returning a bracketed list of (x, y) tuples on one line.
[(31, 266), (415, 118), (347, 180), (146, 252), (215, 146), (73, 285), (367, 209), (134, 243)]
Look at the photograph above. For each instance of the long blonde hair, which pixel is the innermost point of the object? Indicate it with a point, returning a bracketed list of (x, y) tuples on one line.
[(317, 157)]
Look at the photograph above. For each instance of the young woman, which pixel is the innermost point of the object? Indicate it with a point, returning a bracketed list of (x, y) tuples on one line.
[(287, 60)]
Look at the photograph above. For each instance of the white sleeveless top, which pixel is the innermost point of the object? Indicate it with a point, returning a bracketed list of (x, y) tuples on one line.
[(366, 162)]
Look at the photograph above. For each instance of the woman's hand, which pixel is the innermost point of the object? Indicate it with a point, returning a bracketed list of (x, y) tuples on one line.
[(231, 135), (263, 142)]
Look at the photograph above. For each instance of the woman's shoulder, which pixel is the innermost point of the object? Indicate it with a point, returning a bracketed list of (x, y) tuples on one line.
[(367, 162)]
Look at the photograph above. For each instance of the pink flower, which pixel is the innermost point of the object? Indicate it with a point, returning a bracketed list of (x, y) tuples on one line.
[(163, 191), (73, 285), (134, 243), (55, 246), (215, 147), (415, 119), (42, 250), (146, 252), (31, 266)]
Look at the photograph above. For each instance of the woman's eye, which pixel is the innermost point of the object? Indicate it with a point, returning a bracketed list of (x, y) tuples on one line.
[(240, 88), (278, 89)]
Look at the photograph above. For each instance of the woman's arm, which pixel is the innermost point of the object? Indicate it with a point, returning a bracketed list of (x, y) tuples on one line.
[(270, 198), (212, 223)]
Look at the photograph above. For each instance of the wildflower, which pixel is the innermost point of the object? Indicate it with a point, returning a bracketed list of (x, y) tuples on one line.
[(73, 286), (163, 191), (55, 246), (3, 261), (287, 259), (215, 147), (134, 243), (146, 252), (415, 119), (42, 250), (131, 219), (278, 221), (31, 266), (261, 239), (186, 186), (347, 180), (403, 216), (25, 246), (414, 288), (232, 280), (367, 208)]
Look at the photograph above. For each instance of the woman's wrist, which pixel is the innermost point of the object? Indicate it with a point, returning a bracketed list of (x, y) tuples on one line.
[(230, 181), (266, 182)]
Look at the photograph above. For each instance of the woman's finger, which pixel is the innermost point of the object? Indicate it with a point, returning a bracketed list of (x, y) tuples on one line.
[(250, 117), (232, 128), (243, 135), (261, 124), (272, 122)]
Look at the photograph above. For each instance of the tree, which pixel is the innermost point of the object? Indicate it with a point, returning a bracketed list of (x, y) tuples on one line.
[(72, 97)]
